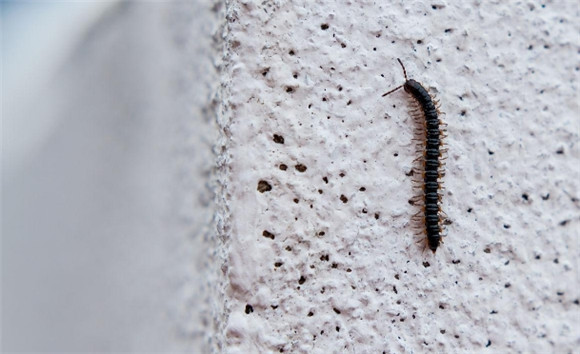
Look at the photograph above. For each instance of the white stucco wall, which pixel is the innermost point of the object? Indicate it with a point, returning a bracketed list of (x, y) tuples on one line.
[(107, 200), (309, 272)]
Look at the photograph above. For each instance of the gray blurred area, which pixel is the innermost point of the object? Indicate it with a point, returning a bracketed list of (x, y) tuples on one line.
[(107, 222)]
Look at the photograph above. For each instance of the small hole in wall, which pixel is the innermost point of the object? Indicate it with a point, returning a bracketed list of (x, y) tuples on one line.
[(426, 264), (296, 200), (295, 75), (265, 71), (301, 280), (546, 197), (320, 191), (264, 186), (342, 174), (278, 264), (506, 226), (268, 234), (324, 26), (310, 314), (343, 198), (325, 179), (249, 309), (487, 250), (291, 52), (362, 189), (289, 89), (300, 167), (525, 196), (278, 139), (283, 167), (343, 45), (337, 311), (377, 216), (337, 329)]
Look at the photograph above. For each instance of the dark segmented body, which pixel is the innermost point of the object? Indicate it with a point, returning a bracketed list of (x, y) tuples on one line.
[(431, 161), (432, 165)]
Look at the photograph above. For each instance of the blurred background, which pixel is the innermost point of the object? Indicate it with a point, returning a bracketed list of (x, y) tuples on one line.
[(107, 195)]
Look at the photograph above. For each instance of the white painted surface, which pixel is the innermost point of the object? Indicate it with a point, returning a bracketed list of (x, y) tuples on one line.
[(107, 213), (506, 279), (37, 37)]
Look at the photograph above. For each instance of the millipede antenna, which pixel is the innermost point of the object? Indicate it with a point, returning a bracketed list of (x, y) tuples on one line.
[(404, 70), (398, 87)]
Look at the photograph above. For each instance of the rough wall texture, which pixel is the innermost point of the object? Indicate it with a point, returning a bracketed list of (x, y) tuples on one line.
[(321, 254)]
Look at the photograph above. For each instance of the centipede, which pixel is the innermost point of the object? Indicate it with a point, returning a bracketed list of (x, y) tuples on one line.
[(429, 136)]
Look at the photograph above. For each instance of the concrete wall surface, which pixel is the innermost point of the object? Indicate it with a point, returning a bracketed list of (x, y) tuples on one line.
[(324, 259), (213, 176)]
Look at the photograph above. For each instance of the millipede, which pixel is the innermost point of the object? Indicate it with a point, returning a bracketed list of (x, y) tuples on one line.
[(430, 134)]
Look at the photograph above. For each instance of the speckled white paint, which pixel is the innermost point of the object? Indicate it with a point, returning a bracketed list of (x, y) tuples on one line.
[(349, 276)]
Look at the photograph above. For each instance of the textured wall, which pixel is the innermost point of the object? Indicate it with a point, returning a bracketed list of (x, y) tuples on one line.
[(107, 240), (321, 255), (107, 235)]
